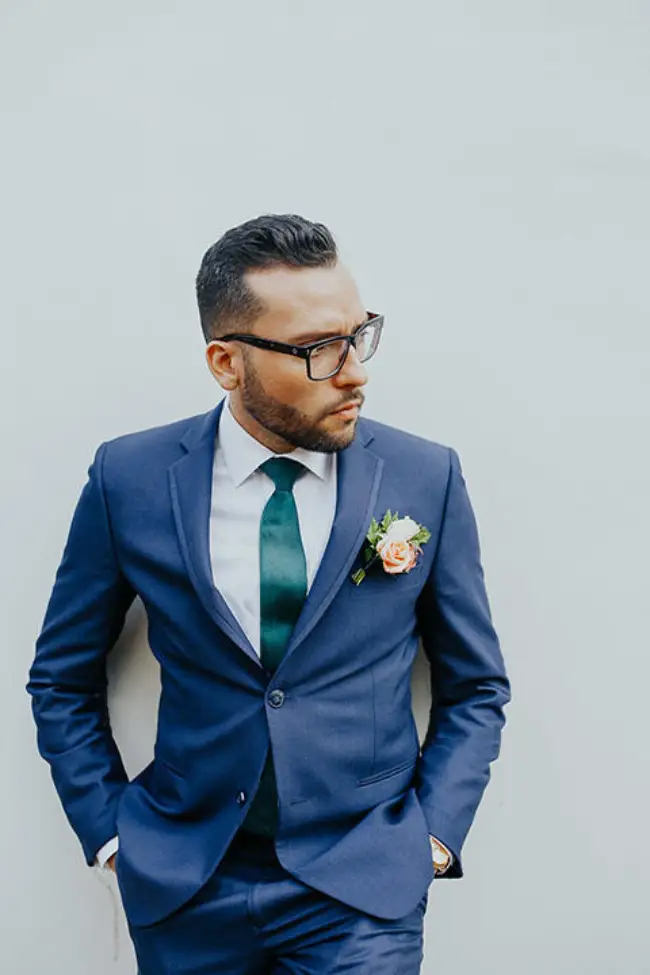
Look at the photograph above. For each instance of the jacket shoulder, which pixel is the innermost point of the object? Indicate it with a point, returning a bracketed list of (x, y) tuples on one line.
[(387, 439), (160, 443)]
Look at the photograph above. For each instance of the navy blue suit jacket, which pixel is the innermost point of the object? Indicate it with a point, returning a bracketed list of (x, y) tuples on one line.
[(358, 796)]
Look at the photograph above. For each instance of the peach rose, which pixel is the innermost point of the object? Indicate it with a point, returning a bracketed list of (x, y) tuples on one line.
[(397, 556)]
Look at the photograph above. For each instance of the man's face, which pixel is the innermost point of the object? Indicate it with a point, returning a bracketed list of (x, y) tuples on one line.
[(274, 392)]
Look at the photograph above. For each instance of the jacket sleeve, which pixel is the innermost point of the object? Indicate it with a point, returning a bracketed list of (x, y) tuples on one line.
[(468, 679), (67, 679)]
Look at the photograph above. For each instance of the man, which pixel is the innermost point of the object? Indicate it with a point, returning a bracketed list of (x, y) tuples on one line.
[(289, 821)]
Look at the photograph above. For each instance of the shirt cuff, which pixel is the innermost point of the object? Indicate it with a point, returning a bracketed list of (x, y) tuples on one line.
[(106, 852), (441, 846)]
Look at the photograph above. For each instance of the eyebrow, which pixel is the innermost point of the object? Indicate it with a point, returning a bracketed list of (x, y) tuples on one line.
[(308, 337)]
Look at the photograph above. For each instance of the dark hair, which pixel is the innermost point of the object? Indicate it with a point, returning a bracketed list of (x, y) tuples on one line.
[(226, 304)]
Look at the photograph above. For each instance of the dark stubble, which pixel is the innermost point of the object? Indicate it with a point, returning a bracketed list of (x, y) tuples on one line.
[(289, 423)]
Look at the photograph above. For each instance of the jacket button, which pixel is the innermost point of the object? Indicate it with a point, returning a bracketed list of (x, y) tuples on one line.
[(241, 798), (276, 698)]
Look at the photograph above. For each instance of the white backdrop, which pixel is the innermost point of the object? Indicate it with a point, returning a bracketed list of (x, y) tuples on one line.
[(486, 170)]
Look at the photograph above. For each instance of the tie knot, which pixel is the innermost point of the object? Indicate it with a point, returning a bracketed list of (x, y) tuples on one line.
[(283, 472)]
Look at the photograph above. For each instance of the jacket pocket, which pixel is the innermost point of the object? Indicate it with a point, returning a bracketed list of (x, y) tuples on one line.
[(389, 587), (388, 773)]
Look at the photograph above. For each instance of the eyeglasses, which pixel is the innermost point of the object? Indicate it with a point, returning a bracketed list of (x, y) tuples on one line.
[(324, 358)]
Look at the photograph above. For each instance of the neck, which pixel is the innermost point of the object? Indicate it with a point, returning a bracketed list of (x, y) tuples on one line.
[(269, 440)]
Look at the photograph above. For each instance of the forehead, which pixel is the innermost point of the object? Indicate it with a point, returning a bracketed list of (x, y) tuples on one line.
[(311, 297)]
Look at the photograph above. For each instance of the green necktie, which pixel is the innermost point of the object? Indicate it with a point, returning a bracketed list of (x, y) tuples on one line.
[(283, 588)]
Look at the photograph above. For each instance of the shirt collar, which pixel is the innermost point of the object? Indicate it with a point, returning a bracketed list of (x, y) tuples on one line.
[(243, 454)]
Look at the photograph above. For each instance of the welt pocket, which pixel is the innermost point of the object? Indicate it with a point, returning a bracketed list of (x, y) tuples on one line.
[(388, 773), (386, 588)]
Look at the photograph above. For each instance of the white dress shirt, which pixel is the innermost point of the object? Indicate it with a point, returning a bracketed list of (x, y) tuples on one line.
[(239, 494)]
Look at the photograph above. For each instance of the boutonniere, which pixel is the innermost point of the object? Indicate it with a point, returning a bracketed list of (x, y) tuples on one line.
[(396, 541)]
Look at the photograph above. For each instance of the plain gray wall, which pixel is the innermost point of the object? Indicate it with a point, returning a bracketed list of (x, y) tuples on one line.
[(486, 170)]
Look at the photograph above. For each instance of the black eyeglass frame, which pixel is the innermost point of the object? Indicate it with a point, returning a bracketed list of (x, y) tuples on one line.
[(304, 351)]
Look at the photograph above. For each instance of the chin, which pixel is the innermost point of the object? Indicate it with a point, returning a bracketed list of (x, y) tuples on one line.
[(346, 436)]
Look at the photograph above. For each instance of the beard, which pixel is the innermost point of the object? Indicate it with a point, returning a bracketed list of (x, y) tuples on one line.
[(289, 423)]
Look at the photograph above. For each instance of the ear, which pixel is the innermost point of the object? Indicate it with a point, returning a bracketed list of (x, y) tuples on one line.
[(224, 363)]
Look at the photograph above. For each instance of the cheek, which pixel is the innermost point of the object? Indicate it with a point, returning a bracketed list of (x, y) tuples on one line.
[(290, 385), (283, 380)]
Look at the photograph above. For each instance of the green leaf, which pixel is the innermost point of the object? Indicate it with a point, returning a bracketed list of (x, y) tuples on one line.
[(373, 532), (422, 535)]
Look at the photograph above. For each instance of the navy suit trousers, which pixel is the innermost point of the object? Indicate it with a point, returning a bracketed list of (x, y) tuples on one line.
[(252, 917)]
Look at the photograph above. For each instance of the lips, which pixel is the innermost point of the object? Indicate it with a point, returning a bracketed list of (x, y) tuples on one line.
[(355, 404)]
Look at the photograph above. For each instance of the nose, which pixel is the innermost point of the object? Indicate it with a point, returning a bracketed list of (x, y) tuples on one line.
[(353, 372)]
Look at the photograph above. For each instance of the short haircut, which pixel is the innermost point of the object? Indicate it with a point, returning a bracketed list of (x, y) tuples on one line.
[(226, 303)]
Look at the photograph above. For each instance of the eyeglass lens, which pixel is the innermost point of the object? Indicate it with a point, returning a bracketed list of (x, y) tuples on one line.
[(327, 359)]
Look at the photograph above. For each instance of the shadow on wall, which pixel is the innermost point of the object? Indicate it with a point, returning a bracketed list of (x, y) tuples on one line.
[(134, 691), (421, 691)]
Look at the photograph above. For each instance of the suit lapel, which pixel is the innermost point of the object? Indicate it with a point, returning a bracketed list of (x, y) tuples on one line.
[(190, 481), (358, 477)]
